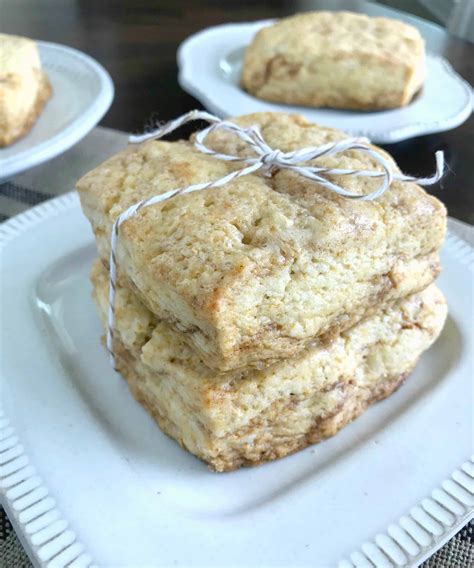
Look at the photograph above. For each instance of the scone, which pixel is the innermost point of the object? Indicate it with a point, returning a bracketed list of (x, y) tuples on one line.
[(336, 59), (24, 88), (230, 420), (263, 267)]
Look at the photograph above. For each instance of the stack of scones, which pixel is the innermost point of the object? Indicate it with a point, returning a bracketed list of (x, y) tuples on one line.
[(256, 318)]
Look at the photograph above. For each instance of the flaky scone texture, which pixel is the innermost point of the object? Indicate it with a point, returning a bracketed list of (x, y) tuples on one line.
[(336, 59), (233, 419), (24, 88), (261, 268)]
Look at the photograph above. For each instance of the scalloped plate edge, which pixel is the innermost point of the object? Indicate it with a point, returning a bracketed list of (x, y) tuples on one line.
[(186, 79)]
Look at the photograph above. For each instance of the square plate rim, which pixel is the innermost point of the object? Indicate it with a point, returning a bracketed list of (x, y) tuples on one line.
[(23, 499)]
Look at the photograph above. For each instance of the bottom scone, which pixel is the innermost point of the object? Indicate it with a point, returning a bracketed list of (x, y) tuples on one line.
[(231, 420)]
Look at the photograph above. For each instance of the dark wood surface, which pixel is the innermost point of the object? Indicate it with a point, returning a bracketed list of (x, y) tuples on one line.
[(137, 41)]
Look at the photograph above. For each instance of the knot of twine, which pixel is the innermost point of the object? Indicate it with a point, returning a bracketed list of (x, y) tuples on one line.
[(266, 159)]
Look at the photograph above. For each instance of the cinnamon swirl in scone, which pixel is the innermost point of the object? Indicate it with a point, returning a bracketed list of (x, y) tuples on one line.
[(234, 419), (263, 267), (336, 59), (24, 87)]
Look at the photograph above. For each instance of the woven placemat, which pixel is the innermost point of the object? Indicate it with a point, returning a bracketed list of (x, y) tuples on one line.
[(57, 177)]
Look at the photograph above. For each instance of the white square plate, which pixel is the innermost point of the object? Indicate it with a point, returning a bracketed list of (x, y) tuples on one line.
[(87, 477)]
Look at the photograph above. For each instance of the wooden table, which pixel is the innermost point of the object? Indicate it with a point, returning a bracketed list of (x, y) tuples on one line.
[(137, 41)]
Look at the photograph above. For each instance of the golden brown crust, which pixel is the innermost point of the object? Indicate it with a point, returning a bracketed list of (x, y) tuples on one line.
[(335, 59), (24, 88), (260, 268), (263, 447), (44, 94)]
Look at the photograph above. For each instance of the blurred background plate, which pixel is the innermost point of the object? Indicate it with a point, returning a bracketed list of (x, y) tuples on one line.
[(210, 63), (82, 93)]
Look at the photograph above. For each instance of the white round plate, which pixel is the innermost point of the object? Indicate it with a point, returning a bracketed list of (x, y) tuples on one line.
[(209, 69), (82, 93)]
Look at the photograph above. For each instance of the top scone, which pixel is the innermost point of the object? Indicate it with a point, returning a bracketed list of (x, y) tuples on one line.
[(336, 59), (264, 266), (24, 88)]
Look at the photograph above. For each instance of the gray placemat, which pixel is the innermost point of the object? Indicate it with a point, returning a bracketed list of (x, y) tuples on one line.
[(58, 176)]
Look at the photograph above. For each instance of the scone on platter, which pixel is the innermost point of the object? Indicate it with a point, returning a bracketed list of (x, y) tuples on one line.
[(230, 420), (336, 59), (24, 87), (263, 267)]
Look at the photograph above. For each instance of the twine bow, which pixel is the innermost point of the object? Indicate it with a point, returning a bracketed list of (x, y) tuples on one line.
[(266, 159)]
